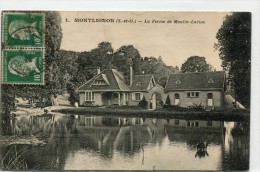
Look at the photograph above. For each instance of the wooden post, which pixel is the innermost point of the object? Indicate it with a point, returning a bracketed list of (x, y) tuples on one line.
[(119, 98), (124, 99)]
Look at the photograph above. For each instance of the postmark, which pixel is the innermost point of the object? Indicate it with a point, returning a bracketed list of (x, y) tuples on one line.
[(23, 66), (23, 29)]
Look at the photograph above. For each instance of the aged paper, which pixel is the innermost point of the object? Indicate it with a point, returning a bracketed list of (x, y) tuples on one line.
[(125, 90)]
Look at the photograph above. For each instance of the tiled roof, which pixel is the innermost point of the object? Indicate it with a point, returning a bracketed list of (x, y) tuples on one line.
[(115, 79), (195, 81), (120, 80), (140, 82)]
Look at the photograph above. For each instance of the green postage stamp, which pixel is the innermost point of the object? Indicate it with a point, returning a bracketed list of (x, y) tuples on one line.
[(23, 46), (23, 29), (23, 66)]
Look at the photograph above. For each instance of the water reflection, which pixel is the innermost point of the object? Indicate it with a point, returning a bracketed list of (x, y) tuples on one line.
[(109, 142), (202, 149)]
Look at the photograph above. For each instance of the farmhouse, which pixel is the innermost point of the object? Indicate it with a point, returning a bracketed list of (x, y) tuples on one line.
[(191, 89), (109, 87)]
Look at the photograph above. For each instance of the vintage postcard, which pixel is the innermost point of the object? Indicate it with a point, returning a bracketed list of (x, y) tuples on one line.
[(125, 90)]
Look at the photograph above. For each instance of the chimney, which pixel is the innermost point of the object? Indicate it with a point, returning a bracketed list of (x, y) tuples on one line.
[(131, 75), (98, 70)]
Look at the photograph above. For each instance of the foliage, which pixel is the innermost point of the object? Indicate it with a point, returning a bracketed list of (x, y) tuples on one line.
[(104, 57), (241, 128), (124, 57), (8, 98), (234, 45), (67, 66), (89, 61), (168, 100), (12, 160), (143, 103), (196, 64), (175, 108), (198, 107), (152, 65), (195, 108), (73, 96), (53, 36)]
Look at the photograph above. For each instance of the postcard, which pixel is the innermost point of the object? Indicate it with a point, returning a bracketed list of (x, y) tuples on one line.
[(125, 90)]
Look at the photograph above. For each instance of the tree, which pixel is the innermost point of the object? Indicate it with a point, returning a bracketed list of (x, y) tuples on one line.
[(152, 65), (125, 56), (168, 100), (53, 37), (89, 61), (73, 96), (234, 45), (143, 103), (196, 64), (68, 66)]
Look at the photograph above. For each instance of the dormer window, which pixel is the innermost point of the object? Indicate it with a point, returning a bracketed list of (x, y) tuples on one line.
[(210, 80), (138, 83), (178, 82), (100, 82)]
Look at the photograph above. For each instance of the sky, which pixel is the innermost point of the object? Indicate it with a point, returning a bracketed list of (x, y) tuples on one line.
[(173, 42)]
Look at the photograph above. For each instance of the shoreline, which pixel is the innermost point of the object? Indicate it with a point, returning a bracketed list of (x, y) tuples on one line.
[(231, 115), (220, 115)]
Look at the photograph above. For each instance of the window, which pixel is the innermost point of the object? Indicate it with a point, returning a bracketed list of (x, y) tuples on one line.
[(100, 82), (192, 123), (193, 94), (210, 95), (89, 121), (176, 96), (178, 82), (137, 96), (138, 83), (89, 96), (210, 81), (176, 122)]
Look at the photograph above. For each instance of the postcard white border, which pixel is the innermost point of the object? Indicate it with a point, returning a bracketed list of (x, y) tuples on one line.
[(252, 6)]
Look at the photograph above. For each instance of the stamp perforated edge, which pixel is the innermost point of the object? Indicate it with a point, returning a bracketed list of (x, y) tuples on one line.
[(22, 46), (23, 83)]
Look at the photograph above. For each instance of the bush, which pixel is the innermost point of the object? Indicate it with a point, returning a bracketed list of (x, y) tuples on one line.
[(198, 107), (168, 100), (175, 108), (73, 96), (143, 103)]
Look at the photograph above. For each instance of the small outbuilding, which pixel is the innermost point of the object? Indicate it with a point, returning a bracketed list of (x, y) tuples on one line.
[(193, 89)]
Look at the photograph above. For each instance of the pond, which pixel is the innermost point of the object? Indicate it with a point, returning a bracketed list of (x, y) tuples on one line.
[(77, 142)]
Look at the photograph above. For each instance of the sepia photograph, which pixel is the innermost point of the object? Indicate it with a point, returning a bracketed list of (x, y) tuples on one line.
[(125, 90)]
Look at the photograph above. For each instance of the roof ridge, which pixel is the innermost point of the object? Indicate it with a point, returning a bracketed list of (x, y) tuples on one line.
[(195, 80), (193, 73), (117, 78)]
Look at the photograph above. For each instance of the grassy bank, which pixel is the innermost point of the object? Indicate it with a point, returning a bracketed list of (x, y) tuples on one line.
[(227, 115)]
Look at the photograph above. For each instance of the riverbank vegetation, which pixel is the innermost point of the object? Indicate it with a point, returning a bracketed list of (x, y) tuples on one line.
[(221, 114), (12, 159)]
